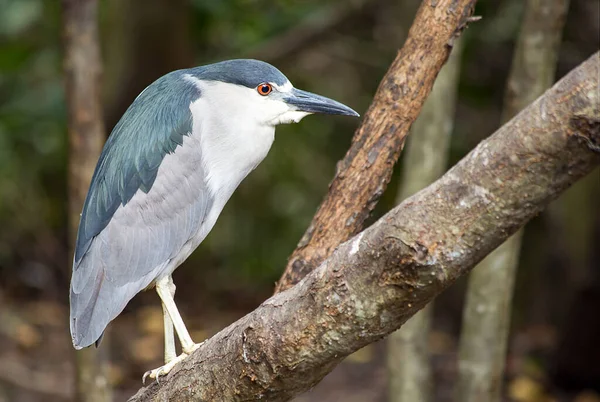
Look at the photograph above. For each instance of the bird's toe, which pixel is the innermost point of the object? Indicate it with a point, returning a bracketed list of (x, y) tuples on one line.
[(162, 371)]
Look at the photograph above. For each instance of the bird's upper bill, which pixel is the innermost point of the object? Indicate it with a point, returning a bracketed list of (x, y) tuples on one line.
[(308, 102)]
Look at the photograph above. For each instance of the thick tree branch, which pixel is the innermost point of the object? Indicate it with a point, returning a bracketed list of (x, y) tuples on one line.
[(365, 171), (373, 283)]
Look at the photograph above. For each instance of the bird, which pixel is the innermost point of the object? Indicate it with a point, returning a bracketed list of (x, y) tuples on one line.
[(165, 173)]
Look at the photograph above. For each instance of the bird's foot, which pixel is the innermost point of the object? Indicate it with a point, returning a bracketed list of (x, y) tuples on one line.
[(164, 370)]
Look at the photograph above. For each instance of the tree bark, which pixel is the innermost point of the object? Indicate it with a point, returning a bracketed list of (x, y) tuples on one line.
[(426, 156), (486, 316), (365, 171), (373, 283), (83, 72)]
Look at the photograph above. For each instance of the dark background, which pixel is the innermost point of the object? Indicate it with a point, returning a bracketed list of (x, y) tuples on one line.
[(338, 49)]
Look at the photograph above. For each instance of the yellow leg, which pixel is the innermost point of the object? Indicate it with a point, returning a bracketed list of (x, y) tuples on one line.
[(172, 319)]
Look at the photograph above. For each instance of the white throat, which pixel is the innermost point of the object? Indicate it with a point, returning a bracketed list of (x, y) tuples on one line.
[(233, 141)]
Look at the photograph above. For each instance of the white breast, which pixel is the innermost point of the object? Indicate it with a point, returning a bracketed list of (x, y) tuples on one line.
[(230, 149), (233, 142)]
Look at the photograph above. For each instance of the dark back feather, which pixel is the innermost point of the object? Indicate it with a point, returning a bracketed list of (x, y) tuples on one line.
[(153, 126)]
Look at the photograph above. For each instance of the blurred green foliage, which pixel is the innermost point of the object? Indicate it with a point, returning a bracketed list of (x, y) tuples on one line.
[(32, 130)]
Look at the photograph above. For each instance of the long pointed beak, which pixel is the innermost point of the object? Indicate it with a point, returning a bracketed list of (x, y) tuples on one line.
[(312, 103)]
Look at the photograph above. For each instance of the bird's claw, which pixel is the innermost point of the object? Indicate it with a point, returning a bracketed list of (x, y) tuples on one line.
[(155, 374), (150, 373), (163, 370)]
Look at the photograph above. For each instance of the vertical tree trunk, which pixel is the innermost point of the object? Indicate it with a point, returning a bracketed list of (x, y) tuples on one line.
[(486, 316), (409, 373), (86, 136)]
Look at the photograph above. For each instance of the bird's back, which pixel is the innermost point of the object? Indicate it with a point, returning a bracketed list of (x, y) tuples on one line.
[(147, 199)]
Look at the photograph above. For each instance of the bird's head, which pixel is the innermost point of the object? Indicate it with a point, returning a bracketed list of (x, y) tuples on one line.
[(258, 91)]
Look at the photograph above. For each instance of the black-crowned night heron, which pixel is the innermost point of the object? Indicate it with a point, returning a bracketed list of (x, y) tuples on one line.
[(166, 171)]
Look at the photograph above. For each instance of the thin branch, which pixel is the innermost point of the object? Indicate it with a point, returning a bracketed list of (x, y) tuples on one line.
[(373, 283), (365, 171)]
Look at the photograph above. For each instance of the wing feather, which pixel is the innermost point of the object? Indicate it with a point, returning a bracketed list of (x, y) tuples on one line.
[(147, 199)]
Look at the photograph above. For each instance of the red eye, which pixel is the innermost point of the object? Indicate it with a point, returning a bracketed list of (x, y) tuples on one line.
[(264, 89)]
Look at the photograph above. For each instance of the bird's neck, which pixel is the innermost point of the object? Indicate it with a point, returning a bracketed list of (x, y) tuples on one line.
[(230, 151)]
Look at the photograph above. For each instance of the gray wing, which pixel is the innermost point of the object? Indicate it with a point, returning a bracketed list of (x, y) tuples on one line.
[(147, 199)]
